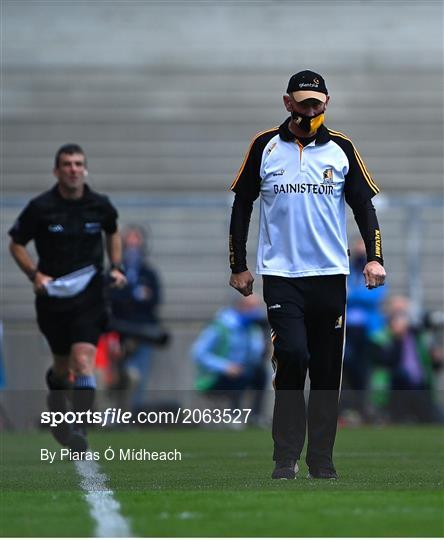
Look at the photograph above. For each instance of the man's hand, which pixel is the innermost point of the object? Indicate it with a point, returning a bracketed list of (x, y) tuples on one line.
[(242, 282), (39, 283), (118, 279), (374, 275)]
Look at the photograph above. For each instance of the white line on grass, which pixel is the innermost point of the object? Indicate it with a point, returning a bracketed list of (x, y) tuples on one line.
[(103, 507)]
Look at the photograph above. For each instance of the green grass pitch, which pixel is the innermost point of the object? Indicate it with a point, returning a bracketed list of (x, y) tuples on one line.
[(391, 484)]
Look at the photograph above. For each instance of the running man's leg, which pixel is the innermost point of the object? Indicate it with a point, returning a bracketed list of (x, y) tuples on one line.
[(59, 384), (54, 326), (82, 361), (86, 327), (87, 324)]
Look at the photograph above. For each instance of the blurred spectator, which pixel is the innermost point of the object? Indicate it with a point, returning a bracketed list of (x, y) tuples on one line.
[(5, 422), (2, 365), (134, 312), (364, 319), (397, 304), (108, 360), (411, 358), (229, 352)]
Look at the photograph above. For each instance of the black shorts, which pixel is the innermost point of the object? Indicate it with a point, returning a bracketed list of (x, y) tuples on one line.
[(79, 325)]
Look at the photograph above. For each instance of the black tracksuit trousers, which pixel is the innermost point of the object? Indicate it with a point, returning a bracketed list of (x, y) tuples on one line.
[(307, 319)]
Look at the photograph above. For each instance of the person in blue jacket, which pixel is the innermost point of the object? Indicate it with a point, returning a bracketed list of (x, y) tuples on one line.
[(136, 304), (230, 350), (364, 320)]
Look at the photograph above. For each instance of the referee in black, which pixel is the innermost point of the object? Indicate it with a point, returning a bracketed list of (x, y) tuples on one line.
[(304, 173), (67, 224)]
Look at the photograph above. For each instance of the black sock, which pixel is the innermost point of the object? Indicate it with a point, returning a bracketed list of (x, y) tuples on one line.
[(57, 382), (60, 388), (83, 395)]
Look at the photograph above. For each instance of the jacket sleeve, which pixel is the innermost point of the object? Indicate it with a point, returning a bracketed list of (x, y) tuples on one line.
[(110, 216), (239, 225), (359, 189), (367, 221), (25, 226), (203, 354), (359, 184), (246, 187)]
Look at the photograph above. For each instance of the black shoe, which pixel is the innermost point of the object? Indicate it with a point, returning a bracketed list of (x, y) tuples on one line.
[(78, 441), (285, 470), (322, 474)]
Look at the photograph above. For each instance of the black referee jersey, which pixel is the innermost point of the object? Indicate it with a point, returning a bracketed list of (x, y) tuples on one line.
[(68, 236)]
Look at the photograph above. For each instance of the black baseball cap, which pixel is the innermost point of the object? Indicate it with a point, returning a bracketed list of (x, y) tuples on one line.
[(307, 84)]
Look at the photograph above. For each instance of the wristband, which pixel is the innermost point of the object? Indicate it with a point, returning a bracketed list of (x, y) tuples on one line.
[(119, 267), (31, 275), (238, 269), (375, 258)]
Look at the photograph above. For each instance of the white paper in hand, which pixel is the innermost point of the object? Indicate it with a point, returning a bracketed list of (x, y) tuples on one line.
[(71, 284)]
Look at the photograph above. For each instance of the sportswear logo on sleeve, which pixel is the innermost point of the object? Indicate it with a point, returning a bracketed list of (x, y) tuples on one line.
[(338, 323), (56, 228), (274, 306), (92, 228), (377, 243)]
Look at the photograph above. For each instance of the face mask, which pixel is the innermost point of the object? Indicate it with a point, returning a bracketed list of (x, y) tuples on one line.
[(309, 124)]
